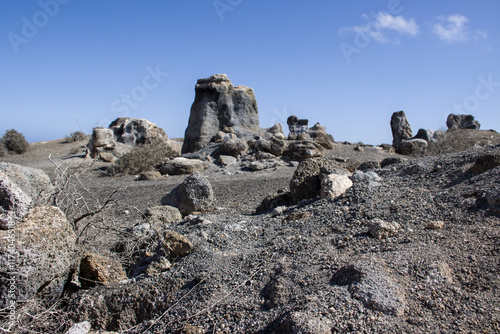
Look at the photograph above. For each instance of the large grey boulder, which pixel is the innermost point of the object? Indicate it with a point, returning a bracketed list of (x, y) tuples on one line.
[(34, 182), (20, 189), (272, 144), (36, 255), (296, 126), (456, 122), (194, 194), (400, 127), (233, 147), (217, 105)]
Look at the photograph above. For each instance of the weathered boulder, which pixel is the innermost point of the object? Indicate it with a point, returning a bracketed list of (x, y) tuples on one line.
[(401, 128), (14, 203), (165, 214), (304, 149), (36, 255), (485, 163), (296, 126), (369, 178), (415, 147), (456, 122), (135, 131), (227, 160), (335, 184), (391, 161), (33, 182), (194, 194), (176, 245), (122, 135), (272, 145), (100, 270), (217, 105), (277, 130), (319, 135), (233, 147), (179, 166), (306, 181), (373, 286)]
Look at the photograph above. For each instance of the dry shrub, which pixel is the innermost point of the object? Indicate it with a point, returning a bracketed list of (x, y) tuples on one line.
[(15, 141), (3, 150), (463, 140), (75, 137), (143, 158)]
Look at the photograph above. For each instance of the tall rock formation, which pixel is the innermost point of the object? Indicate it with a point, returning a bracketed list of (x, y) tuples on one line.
[(217, 105), (401, 128)]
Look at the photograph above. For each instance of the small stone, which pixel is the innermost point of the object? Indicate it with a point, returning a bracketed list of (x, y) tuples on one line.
[(79, 328), (380, 229), (435, 225)]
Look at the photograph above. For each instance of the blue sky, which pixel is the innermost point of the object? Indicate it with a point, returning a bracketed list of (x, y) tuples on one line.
[(69, 65)]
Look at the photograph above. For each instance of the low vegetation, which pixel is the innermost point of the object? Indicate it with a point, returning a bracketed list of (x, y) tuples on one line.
[(142, 158), (15, 142), (75, 137)]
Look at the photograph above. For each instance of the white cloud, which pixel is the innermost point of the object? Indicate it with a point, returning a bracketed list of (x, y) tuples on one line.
[(455, 28), (381, 24)]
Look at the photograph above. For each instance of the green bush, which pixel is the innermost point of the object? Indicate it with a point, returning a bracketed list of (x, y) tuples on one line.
[(15, 141), (143, 158), (75, 137)]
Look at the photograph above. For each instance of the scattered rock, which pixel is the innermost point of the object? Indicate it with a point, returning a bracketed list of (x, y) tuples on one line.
[(179, 166), (281, 199), (391, 161), (227, 160), (44, 243), (372, 286), (79, 328), (493, 199), (368, 165), (151, 175), (272, 145), (278, 211), (334, 185), (100, 270), (430, 136), (304, 323), (189, 329), (296, 216), (370, 178), (262, 164), (439, 273), (435, 225), (194, 194), (485, 163), (233, 147), (218, 104), (135, 131), (414, 147), (177, 244), (304, 149), (380, 229), (166, 214), (401, 128), (306, 181), (157, 267), (319, 135), (277, 130), (456, 122)]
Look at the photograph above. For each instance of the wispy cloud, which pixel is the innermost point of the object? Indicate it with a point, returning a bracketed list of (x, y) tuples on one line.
[(455, 29), (381, 24)]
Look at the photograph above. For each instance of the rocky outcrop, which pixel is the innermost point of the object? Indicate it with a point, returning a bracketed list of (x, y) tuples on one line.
[(401, 128), (456, 122), (272, 144), (303, 149), (296, 126), (218, 104), (122, 135), (318, 134), (195, 194), (36, 255)]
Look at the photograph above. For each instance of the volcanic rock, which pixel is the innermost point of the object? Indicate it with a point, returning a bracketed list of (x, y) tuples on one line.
[(401, 128), (456, 122)]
